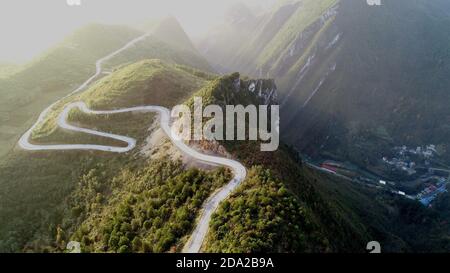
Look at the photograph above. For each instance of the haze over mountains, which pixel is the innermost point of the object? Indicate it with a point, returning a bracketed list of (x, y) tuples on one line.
[(41, 29)]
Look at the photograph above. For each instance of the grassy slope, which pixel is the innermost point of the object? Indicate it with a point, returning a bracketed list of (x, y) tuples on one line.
[(63, 68), (133, 85), (57, 72), (147, 82)]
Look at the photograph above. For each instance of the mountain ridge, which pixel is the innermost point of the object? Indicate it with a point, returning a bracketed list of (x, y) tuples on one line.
[(60, 69)]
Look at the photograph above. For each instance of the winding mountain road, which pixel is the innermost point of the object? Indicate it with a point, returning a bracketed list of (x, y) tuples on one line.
[(196, 240)]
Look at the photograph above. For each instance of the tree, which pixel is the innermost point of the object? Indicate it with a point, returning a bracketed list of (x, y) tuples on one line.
[(136, 244), (60, 237)]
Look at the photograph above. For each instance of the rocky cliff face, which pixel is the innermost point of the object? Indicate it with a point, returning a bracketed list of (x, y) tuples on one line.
[(234, 90)]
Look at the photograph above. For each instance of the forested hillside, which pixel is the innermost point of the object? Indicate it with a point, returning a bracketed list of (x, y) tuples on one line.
[(286, 206), (48, 198)]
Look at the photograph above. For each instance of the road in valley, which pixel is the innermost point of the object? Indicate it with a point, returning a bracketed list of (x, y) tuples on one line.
[(197, 238)]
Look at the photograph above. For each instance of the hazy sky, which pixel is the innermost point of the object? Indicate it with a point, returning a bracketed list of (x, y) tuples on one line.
[(27, 27)]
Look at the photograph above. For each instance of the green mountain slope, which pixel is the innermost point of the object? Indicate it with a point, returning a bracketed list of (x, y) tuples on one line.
[(63, 68), (362, 94), (285, 205), (255, 44), (57, 72), (147, 82), (48, 198), (277, 208)]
